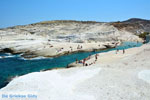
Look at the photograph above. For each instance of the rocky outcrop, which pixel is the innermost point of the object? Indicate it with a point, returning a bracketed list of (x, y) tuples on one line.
[(133, 25), (37, 37)]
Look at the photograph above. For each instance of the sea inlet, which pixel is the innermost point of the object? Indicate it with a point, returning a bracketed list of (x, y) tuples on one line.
[(14, 65)]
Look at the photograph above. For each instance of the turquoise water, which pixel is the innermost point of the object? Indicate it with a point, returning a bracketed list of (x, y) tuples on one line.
[(14, 65), (147, 39)]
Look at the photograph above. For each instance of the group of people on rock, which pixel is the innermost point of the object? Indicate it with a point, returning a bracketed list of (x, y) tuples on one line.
[(79, 47), (71, 48), (60, 49), (85, 59), (50, 45), (123, 51)]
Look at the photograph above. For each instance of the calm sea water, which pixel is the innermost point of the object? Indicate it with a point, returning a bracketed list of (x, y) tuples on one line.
[(14, 65)]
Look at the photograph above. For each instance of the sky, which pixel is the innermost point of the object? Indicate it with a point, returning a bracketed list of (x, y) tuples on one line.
[(22, 12)]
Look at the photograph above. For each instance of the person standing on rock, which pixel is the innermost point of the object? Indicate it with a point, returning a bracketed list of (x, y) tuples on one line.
[(84, 61), (96, 56), (117, 50), (89, 56), (78, 47), (123, 51), (116, 45), (76, 61)]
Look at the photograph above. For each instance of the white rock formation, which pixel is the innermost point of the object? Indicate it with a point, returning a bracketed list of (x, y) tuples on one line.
[(113, 77), (42, 37)]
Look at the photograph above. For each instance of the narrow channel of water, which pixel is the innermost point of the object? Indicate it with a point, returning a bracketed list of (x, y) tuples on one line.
[(14, 65)]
